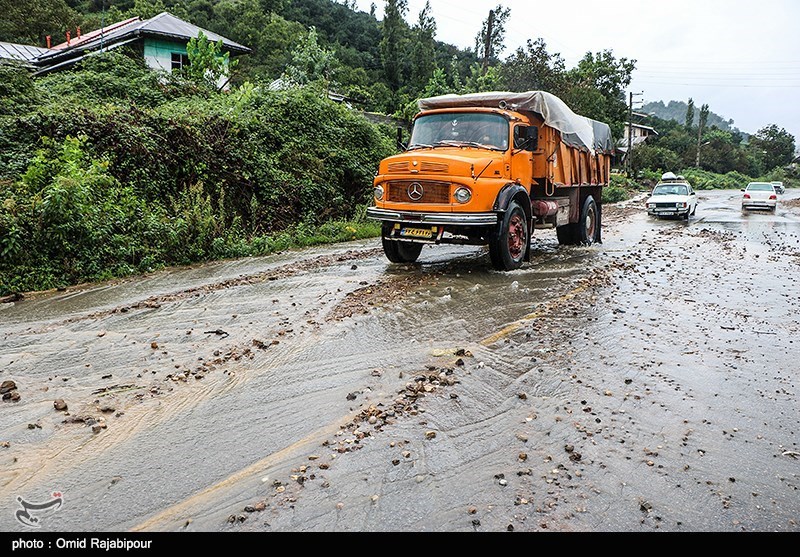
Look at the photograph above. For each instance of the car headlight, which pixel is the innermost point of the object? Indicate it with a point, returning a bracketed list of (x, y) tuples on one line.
[(379, 193), (651, 205), (463, 195), (680, 205)]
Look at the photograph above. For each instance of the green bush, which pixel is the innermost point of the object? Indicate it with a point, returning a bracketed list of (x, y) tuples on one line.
[(114, 170), (615, 194)]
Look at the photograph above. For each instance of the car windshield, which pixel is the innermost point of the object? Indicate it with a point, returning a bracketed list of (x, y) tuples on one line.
[(486, 131), (760, 187), (671, 189)]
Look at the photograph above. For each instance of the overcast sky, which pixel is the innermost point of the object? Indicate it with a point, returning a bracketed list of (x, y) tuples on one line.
[(740, 57)]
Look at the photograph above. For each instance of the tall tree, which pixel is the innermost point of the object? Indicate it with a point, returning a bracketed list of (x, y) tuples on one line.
[(423, 50), (394, 26), (700, 129), (489, 43), (689, 114)]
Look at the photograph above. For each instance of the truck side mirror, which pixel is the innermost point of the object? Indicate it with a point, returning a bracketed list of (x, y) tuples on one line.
[(526, 138)]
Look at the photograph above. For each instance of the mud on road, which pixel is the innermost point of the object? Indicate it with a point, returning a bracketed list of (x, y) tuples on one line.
[(648, 383)]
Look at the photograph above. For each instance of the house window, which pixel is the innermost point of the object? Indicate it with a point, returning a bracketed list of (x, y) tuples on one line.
[(179, 61)]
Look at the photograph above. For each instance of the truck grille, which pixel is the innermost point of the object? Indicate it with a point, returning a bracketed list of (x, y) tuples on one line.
[(397, 167), (665, 205), (432, 192), (433, 167)]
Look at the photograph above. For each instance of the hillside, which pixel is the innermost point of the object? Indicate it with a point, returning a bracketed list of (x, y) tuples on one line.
[(676, 110)]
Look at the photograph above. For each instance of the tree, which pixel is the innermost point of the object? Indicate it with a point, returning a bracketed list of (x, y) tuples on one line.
[(775, 146), (311, 63), (489, 42), (394, 27), (690, 114), (533, 68), (423, 50), (655, 158), (596, 88), (700, 129), (30, 21), (207, 63)]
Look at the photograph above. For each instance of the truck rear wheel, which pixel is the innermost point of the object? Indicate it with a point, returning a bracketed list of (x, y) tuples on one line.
[(508, 247), (567, 234), (589, 223)]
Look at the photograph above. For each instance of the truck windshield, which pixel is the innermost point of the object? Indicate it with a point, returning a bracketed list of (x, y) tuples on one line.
[(484, 131)]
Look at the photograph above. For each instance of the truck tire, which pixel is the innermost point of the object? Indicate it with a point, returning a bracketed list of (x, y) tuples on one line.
[(567, 234), (589, 223), (400, 252), (508, 246)]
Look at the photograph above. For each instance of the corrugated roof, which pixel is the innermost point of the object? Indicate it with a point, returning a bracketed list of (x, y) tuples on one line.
[(163, 25), (21, 52), (87, 37)]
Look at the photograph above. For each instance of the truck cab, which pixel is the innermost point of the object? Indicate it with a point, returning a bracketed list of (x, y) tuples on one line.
[(479, 171)]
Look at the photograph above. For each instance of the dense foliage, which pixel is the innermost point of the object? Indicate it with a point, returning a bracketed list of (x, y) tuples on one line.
[(112, 169)]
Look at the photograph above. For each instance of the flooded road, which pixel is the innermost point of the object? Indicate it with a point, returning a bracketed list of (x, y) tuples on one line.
[(648, 383)]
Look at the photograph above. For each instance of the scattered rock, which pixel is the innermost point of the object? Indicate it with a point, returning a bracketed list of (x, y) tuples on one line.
[(523, 457), (430, 435), (154, 346), (59, 404), (34, 426), (352, 396), (107, 409), (569, 448), (7, 387), (472, 510), (522, 437), (522, 396), (5, 444)]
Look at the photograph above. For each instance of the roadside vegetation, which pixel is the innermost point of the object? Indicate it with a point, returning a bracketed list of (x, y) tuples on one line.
[(110, 169)]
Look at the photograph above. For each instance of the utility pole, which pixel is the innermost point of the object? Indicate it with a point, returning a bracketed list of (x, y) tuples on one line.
[(487, 42), (629, 157)]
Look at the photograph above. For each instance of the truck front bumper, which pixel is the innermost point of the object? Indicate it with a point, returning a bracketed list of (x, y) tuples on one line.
[(441, 219)]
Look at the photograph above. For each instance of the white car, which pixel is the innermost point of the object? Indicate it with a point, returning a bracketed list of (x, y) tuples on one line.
[(672, 198), (779, 187), (759, 195)]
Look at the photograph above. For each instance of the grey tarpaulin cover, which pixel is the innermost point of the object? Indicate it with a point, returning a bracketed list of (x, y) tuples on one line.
[(577, 131)]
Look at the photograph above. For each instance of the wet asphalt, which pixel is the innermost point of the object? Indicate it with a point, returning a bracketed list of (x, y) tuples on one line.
[(645, 384)]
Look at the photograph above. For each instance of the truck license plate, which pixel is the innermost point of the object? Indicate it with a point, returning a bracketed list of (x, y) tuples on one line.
[(424, 233)]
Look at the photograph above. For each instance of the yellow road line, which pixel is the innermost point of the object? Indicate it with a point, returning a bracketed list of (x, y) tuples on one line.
[(184, 508), (517, 325)]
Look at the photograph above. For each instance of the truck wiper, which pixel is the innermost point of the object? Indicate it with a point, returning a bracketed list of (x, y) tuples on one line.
[(450, 143), (420, 146)]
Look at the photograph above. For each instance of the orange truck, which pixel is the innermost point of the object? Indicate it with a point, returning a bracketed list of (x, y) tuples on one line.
[(489, 169)]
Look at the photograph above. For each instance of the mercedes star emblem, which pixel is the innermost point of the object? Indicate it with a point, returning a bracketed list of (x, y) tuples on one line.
[(415, 191)]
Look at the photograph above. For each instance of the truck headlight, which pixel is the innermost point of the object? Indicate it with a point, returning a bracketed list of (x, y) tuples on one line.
[(651, 205), (463, 195), (680, 205), (379, 193)]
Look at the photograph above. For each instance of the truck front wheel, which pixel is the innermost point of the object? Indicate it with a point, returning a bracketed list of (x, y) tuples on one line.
[(508, 247), (401, 252)]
